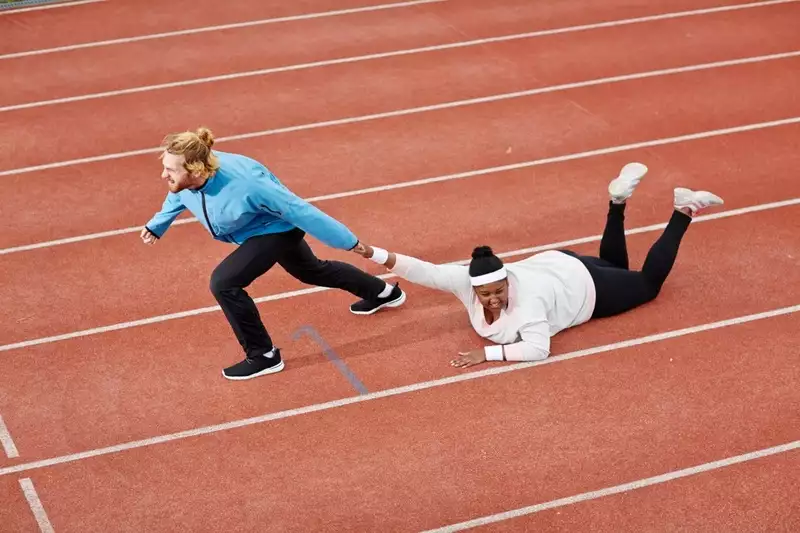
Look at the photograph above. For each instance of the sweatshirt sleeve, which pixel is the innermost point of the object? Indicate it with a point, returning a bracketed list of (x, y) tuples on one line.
[(283, 203), (534, 344), (161, 221), (450, 278)]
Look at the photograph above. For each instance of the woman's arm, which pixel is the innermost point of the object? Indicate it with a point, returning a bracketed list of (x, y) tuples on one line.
[(533, 346), (450, 278), (518, 351)]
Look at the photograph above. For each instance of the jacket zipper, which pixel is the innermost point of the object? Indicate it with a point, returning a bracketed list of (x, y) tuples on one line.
[(205, 212)]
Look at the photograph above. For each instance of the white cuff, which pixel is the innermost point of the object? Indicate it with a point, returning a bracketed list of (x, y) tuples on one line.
[(494, 353), (379, 255)]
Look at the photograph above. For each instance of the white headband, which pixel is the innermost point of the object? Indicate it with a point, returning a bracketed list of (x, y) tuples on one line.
[(491, 277)]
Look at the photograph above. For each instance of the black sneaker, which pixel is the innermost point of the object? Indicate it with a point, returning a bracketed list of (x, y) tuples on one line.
[(252, 367), (396, 298)]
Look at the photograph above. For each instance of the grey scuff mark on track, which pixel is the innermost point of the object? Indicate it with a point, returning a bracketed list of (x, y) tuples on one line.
[(332, 356)]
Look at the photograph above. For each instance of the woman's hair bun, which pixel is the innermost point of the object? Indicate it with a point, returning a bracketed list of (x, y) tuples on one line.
[(482, 251), (206, 137)]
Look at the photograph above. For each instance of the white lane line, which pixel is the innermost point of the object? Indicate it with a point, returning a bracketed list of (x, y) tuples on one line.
[(312, 290), (247, 24), (50, 6), (7, 442), (424, 109), (437, 179), (36, 505), (618, 489), (368, 57), (395, 391)]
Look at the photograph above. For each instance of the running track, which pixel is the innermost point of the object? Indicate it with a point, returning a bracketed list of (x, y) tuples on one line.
[(429, 128)]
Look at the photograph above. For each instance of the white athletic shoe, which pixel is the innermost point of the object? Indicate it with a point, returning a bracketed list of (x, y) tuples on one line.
[(695, 200), (621, 188)]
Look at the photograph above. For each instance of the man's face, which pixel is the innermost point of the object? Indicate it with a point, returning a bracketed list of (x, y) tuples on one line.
[(174, 174)]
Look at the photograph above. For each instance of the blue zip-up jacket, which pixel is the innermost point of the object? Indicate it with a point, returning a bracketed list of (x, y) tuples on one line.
[(244, 199)]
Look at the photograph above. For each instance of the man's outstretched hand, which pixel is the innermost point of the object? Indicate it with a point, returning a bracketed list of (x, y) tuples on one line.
[(363, 250), (147, 236)]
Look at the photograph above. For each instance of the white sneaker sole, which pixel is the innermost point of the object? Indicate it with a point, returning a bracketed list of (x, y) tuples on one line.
[(694, 200), (271, 370), (622, 187), (394, 303)]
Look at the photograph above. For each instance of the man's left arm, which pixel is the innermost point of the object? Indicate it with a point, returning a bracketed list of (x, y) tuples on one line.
[(283, 203)]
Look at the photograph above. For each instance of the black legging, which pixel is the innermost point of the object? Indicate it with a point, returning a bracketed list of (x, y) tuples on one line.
[(618, 288)]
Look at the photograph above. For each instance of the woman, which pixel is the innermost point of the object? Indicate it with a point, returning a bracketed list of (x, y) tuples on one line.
[(521, 305), (239, 201)]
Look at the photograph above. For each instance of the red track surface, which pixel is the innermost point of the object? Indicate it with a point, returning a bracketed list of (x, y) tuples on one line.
[(741, 498), (365, 87), (401, 149), (453, 452)]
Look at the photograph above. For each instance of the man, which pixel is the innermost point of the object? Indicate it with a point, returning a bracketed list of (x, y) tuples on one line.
[(240, 201)]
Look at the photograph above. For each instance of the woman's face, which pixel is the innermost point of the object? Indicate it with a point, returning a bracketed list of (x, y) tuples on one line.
[(493, 296)]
